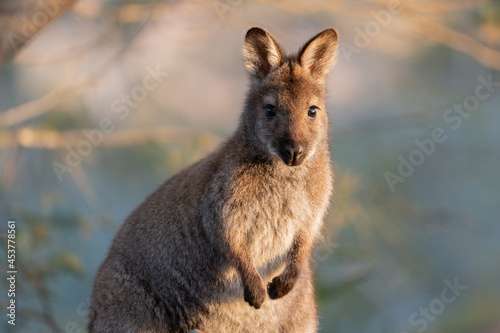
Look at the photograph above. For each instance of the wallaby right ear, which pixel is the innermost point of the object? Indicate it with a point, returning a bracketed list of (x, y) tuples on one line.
[(318, 55), (261, 53)]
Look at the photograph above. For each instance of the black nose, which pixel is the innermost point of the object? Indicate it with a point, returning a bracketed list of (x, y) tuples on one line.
[(294, 154)]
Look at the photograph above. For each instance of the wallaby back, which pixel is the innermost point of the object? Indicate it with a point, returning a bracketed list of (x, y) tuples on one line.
[(225, 245)]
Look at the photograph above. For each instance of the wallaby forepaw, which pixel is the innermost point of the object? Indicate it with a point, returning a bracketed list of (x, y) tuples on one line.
[(255, 294), (279, 287)]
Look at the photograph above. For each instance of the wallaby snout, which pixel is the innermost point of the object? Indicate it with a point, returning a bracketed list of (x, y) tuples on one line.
[(292, 155)]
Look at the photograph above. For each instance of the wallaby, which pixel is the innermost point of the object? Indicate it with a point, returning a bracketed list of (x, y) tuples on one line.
[(225, 245)]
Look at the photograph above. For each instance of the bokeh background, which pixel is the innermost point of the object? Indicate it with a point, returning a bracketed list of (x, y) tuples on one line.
[(83, 140)]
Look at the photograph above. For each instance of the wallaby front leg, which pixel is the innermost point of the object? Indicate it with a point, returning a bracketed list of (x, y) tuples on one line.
[(282, 284), (253, 286)]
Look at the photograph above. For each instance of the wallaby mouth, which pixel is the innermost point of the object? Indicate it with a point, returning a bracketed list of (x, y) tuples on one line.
[(292, 155)]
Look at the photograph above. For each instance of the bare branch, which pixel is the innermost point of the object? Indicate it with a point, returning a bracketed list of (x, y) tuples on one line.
[(46, 139), (439, 33), (46, 103), (114, 16), (42, 105), (21, 20)]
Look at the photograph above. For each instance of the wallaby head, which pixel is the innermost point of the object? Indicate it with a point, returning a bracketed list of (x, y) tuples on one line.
[(285, 114)]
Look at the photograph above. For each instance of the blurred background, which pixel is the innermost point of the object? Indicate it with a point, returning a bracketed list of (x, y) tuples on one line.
[(101, 101)]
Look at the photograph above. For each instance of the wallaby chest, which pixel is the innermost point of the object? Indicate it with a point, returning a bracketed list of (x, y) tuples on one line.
[(272, 208)]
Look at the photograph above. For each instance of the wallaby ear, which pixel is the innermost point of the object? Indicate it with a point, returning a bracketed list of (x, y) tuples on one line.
[(261, 53), (319, 54)]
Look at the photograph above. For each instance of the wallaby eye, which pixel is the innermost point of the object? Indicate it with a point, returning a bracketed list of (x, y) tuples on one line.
[(312, 111), (270, 113)]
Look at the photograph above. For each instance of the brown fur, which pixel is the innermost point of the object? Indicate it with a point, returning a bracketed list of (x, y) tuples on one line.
[(233, 233)]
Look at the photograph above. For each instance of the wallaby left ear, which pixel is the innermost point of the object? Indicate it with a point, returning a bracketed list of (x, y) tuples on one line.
[(261, 52), (318, 55)]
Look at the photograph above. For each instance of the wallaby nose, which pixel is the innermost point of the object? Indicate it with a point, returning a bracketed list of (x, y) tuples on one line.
[(294, 154)]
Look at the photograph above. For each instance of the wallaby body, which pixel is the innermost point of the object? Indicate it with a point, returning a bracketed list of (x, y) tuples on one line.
[(237, 228)]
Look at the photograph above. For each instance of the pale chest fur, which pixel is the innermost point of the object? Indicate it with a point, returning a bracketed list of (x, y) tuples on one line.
[(270, 210)]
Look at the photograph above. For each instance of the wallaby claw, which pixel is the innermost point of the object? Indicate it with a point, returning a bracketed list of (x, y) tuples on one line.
[(279, 287), (255, 295)]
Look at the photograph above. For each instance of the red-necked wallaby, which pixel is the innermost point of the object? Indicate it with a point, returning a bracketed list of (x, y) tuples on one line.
[(225, 245)]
